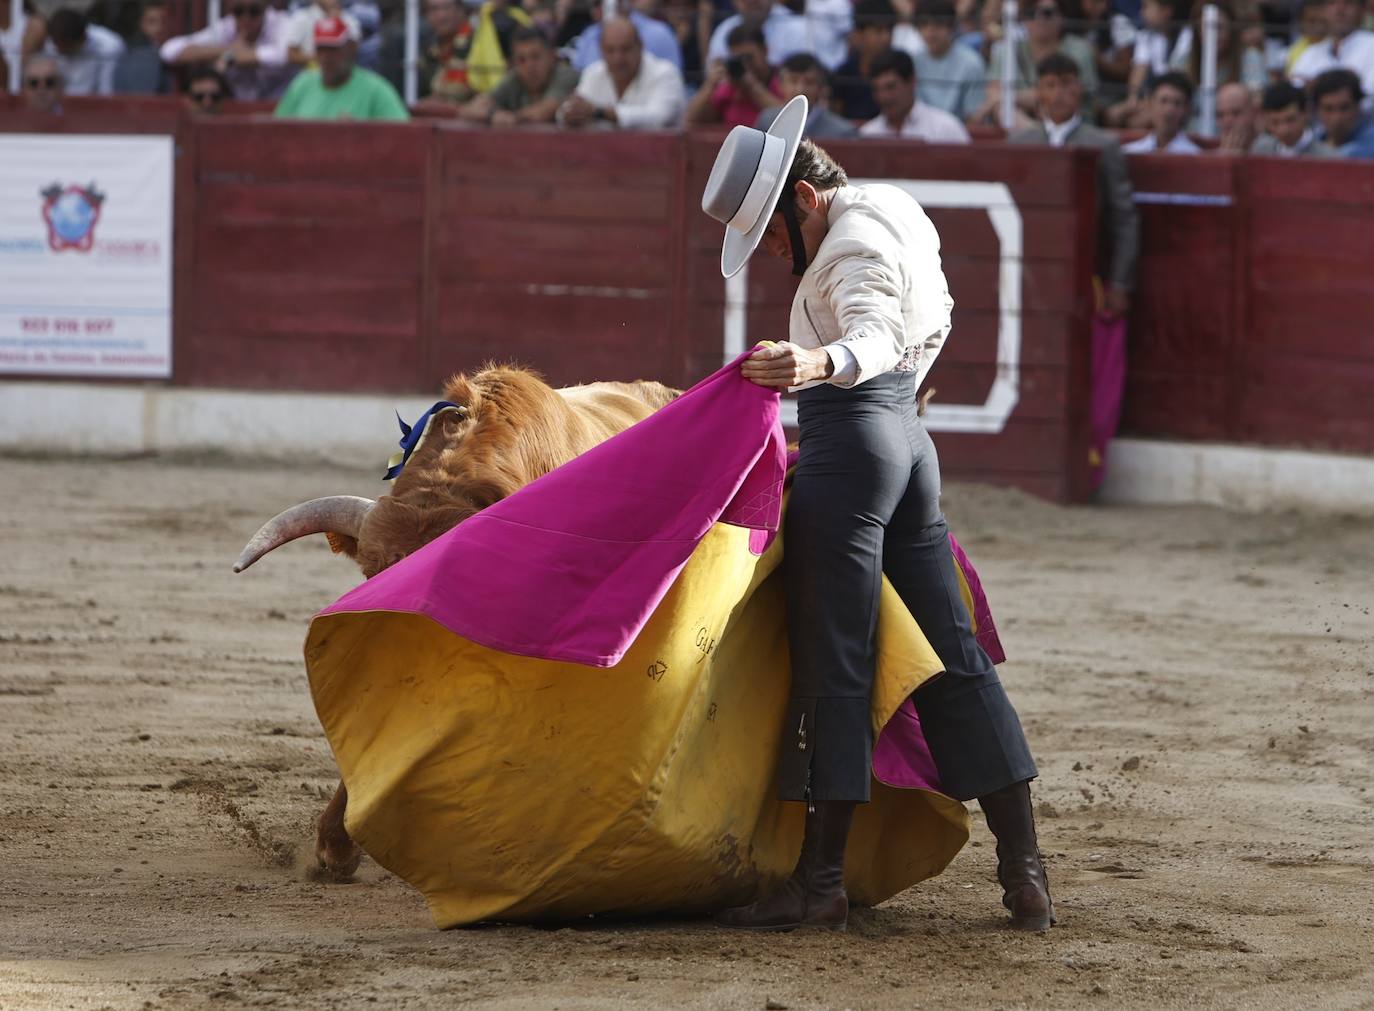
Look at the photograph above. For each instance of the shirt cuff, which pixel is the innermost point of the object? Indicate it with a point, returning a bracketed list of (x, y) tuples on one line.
[(844, 366)]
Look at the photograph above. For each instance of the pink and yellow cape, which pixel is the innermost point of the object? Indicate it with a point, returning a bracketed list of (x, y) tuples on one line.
[(570, 704)]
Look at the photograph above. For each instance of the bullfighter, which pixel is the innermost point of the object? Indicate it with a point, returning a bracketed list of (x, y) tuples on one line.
[(871, 312)]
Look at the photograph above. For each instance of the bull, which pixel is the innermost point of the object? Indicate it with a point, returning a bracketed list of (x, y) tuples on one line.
[(507, 428)]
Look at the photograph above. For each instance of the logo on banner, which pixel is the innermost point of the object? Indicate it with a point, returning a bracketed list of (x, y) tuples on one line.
[(71, 213)]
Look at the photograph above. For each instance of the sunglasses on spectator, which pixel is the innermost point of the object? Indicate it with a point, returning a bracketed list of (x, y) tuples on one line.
[(1045, 13), (206, 97), (42, 82), (247, 11)]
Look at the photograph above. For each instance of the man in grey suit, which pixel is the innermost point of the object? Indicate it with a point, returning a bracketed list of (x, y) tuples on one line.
[(803, 74), (1059, 93), (1287, 127)]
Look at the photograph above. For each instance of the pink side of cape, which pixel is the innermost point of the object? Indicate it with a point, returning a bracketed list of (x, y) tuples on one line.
[(570, 567)]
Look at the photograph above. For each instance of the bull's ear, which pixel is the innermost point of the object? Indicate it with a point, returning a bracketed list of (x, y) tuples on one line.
[(342, 544), (485, 493), (452, 421)]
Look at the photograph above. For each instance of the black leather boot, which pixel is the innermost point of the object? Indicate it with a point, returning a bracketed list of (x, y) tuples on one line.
[(814, 895), (1026, 890)]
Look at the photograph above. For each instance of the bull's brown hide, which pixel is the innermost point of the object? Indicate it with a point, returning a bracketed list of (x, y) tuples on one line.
[(515, 429)]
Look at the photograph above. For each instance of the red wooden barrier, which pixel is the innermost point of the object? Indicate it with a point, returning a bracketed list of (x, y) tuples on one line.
[(323, 256), (1305, 371), (307, 259), (557, 250), (1251, 322)]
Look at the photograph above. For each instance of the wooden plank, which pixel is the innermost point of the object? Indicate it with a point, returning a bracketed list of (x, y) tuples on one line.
[(1333, 325), (1047, 233), (468, 237), (1242, 295), (1030, 446), (1171, 174), (1286, 182), (502, 154), (543, 253), (1313, 240), (184, 206), (1043, 394), (1188, 405), (621, 360), (558, 198), (1293, 399), (345, 248), (433, 225), (386, 309), (305, 204), (548, 312), (683, 204), (265, 150), (305, 362)]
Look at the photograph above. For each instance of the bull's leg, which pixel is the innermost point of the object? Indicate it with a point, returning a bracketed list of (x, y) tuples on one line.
[(338, 854)]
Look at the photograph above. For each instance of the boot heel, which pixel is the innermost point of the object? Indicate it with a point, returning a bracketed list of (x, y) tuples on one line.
[(1036, 924)]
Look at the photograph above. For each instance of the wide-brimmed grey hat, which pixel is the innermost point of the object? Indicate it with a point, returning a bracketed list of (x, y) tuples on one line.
[(747, 178)]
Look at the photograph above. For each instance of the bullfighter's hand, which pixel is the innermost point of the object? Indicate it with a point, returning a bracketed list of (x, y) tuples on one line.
[(785, 364), (1116, 302)]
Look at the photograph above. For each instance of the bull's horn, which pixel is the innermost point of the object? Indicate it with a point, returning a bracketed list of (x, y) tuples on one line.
[(340, 514)]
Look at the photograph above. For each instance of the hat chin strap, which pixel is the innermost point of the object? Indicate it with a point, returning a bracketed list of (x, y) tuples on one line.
[(788, 208)]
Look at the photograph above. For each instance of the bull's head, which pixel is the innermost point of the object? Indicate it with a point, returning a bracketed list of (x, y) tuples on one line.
[(475, 456)]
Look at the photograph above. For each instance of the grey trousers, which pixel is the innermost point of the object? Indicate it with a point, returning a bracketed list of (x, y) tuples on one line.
[(866, 501)]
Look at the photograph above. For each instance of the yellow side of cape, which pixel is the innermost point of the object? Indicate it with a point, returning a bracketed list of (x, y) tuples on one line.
[(504, 787)]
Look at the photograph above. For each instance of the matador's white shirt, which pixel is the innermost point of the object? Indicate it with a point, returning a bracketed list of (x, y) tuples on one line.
[(874, 296)]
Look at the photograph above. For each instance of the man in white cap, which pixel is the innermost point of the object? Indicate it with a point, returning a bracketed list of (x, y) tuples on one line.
[(339, 89), (870, 315)]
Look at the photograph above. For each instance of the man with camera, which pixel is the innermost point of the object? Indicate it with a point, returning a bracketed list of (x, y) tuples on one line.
[(739, 87)]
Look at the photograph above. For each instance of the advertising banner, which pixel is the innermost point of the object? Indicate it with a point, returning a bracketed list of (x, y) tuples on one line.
[(85, 255)]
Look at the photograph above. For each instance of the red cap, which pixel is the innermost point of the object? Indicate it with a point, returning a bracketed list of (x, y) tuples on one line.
[(332, 32)]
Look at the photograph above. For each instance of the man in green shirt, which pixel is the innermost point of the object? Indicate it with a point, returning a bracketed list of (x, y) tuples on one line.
[(338, 89), (532, 89)]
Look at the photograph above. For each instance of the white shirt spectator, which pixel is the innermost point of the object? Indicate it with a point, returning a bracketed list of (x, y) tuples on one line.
[(1150, 144), (655, 36), (1354, 52), (1152, 50), (1058, 133), (265, 81), (654, 100), (829, 23), (91, 71), (923, 122), (12, 41), (906, 38), (786, 33), (300, 30)]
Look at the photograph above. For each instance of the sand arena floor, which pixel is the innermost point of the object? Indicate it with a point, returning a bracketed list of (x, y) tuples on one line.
[(1198, 686)]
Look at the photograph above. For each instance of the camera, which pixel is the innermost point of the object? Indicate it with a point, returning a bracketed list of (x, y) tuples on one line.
[(734, 66)]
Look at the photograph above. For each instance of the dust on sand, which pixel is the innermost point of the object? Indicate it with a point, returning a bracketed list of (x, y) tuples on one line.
[(1196, 684)]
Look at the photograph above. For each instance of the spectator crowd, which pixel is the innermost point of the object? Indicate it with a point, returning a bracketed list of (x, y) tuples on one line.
[(1294, 77)]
